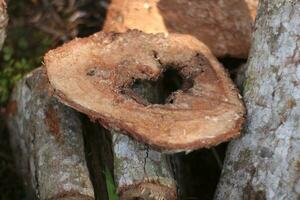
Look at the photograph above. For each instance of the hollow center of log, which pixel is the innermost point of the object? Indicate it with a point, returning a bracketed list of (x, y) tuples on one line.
[(161, 91)]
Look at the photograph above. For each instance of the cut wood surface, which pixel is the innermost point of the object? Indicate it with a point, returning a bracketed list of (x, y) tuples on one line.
[(264, 163), (225, 26), (94, 75), (46, 138)]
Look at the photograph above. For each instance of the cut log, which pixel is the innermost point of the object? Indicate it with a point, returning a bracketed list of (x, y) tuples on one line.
[(140, 172), (225, 26), (46, 138), (264, 163), (205, 111)]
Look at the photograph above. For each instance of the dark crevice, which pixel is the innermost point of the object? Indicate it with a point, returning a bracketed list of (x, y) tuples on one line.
[(98, 154), (232, 65), (197, 173), (146, 157)]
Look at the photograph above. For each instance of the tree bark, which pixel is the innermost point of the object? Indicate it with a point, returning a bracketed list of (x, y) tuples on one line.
[(264, 163), (47, 142), (139, 171)]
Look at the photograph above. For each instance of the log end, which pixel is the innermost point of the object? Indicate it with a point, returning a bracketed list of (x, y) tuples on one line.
[(150, 190), (95, 75)]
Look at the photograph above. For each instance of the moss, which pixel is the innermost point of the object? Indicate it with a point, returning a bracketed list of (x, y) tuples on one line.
[(19, 56), (248, 83)]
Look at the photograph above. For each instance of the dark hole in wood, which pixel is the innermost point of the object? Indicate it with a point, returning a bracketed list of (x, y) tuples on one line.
[(198, 173), (91, 72), (160, 91)]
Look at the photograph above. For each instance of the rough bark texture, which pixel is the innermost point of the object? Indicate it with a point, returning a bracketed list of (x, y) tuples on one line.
[(3, 22), (265, 162), (47, 142), (141, 172), (224, 25)]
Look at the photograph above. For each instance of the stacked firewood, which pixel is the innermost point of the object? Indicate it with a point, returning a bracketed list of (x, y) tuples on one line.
[(153, 87)]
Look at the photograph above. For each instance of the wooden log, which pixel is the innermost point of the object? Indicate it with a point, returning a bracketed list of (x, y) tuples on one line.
[(139, 171), (47, 142), (264, 163), (204, 111), (224, 26)]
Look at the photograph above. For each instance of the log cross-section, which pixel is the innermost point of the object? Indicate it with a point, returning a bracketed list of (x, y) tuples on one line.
[(94, 76)]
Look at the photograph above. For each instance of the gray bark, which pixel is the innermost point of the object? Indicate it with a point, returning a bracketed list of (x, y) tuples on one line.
[(46, 138), (265, 162), (139, 171), (136, 166)]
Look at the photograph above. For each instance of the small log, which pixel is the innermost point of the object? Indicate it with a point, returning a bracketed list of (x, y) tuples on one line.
[(47, 142), (264, 163), (139, 171), (224, 26)]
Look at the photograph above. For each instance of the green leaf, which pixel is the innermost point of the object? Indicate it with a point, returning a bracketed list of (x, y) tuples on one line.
[(111, 188)]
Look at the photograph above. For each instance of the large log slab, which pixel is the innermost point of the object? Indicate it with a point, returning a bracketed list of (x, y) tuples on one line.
[(264, 163), (46, 138)]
